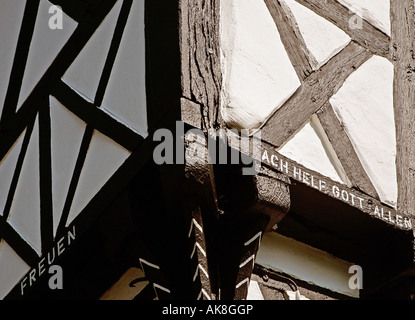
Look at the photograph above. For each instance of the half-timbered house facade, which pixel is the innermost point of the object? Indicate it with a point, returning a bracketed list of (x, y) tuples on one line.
[(207, 150)]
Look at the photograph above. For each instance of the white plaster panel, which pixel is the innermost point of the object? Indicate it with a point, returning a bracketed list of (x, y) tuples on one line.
[(377, 12), (7, 168), (12, 267), (25, 211), (254, 291), (46, 45), (258, 75), (365, 106), (306, 263), (323, 39), (102, 161), (66, 136), (313, 150), (11, 14), (85, 72), (125, 98)]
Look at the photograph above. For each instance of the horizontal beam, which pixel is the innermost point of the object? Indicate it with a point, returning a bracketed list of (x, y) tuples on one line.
[(266, 154)]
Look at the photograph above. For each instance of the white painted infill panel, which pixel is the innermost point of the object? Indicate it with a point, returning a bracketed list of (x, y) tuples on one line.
[(12, 267), (11, 14), (306, 263), (85, 72), (323, 39), (365, 106), (45, 46), (125, 98), (377, 12), (103, 159), (258, 75), (311, 148), (66, 136), (25, 211), (254, 291), (7, 168)]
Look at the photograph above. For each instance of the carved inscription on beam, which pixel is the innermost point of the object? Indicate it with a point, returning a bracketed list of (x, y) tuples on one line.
[(336, 190)]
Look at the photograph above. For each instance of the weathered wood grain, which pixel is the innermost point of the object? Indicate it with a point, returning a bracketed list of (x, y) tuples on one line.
[(191, 113), (273, 196), (403, 58), (355, 198), (200, 57), (317, 89)]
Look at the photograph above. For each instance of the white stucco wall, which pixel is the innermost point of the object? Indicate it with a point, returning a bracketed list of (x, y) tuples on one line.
[(306, 263), (258, 75), (125, 96), (323, 39), (67, 132), (24, 214), (311, 148), (84, 73), (11, 14), (45, 46), (12, 268), (7, 167), (258, 78), (365, 106), (104, 155)]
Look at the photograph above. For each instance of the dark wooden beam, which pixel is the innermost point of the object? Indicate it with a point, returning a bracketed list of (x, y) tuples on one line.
[(191, 113), (163, 59), (75, 9), (317, 89), (202, 289), (239, 239), (19, 63), (189, 192), (200, 57), (301, 58), (403, 58), (11, 129), (251, 206), (199, 200)]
